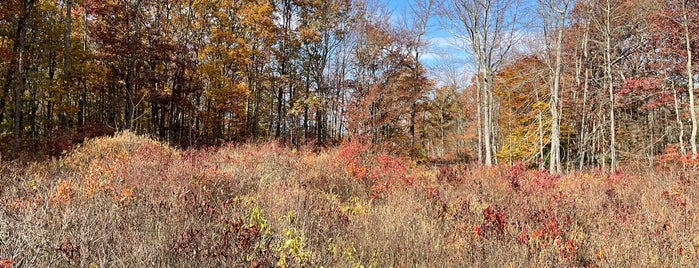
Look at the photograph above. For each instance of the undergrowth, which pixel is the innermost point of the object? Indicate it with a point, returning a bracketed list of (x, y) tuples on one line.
[(131, 201)]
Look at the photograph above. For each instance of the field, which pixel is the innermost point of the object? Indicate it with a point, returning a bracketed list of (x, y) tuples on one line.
[(131, 201)]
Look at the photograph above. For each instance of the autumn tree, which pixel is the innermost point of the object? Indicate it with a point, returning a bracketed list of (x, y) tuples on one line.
[(489, 29), (384, 81), (610, 31), (674, 31), (451, 119), (443, 121), (16, 73), (418, 21), (521, 88), (320, 36), (119, 30)]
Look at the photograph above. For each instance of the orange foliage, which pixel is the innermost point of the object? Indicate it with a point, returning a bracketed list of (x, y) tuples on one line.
[(64, 192)]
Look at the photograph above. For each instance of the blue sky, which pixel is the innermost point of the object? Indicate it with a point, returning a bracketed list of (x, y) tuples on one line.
[(401, 8), (442, 55)]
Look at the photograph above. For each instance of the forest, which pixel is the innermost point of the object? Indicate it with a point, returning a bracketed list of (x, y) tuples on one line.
[(559, 84), (349, 133)]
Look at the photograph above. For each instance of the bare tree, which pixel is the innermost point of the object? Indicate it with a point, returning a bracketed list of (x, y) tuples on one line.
[(617, 31), (685, 9), (489, 29), (554, 13), (608, 14)]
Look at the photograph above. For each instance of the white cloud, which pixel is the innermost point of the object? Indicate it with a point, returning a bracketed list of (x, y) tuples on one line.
[(448, 42), (444, 48)]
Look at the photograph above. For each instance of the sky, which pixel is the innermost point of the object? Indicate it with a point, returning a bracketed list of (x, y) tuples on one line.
[(442, 53), (445, 52)]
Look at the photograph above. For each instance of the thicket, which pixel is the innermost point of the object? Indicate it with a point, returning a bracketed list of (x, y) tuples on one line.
[(131, 201)]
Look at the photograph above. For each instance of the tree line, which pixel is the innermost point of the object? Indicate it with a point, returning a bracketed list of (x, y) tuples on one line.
[(561, 84)]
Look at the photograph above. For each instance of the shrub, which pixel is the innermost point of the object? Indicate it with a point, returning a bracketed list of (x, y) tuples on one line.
[(130, 201)]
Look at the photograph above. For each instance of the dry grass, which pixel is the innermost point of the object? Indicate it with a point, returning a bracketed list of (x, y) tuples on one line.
[(131, 201)]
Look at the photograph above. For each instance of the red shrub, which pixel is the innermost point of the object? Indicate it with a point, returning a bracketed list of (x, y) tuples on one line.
[(493, 223), (448, 174), (516, 173)]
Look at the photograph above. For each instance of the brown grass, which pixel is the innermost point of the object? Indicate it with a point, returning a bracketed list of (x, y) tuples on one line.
[(131, 201)]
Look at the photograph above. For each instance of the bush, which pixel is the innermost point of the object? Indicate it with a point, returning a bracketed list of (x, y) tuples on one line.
[(130, 201)]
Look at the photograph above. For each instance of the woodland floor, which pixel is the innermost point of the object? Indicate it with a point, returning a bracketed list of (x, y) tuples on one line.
[(131, 201)]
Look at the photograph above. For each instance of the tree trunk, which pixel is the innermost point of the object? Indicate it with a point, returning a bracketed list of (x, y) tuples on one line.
[(66, 60), (9, 77), (690, 79), (488, 121), (19, 92), (494, 127), (83, 98), (583, 125), (584, 133), (27, 7), (413, 111), (479, 115), (131, 68), (610, 85), (555, 164), (680, 124), (129, 112)]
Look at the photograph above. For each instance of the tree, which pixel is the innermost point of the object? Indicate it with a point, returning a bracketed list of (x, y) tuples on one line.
[(489, 28), (688, 10), (66, 54), (119, 32), (577, 46), (420, 11), (554, 14), (442, 120), (521, 87), (319, 35), (610, 32), (26, 9), (674, 22)]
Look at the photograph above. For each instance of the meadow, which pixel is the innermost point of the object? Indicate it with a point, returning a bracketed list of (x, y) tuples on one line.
[(131, 201)]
